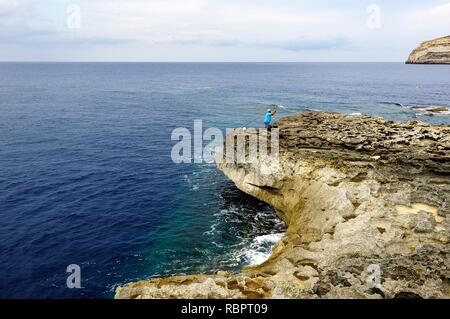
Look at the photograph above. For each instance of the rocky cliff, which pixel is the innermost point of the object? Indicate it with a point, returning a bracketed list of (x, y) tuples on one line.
[(367, 205), (436, 51)]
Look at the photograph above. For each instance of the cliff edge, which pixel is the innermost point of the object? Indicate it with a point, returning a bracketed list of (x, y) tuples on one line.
[(435, 51), (366, 201)]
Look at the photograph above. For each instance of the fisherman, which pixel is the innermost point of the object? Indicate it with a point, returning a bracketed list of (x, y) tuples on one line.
[(268, 119)]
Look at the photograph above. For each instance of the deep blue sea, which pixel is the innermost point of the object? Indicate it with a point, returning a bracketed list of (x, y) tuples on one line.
[(86, 175)]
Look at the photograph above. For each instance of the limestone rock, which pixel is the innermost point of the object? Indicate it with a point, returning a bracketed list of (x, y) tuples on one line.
[(425, 222), (436, 51), (366, 201)]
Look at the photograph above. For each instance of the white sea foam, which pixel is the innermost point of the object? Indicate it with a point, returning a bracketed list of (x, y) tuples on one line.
[(428, 113), (260, 249)]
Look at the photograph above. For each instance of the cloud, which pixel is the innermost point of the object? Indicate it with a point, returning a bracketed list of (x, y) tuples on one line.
[(291, 29), (319, 44), (294, 45), (216, 23), (432, 21), (19, 19), (8, 7)]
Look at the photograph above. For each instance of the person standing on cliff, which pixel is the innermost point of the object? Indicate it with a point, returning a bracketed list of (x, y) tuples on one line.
[(268, 119)]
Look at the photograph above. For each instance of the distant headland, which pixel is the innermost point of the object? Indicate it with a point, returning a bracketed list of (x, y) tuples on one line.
[(435, 51)]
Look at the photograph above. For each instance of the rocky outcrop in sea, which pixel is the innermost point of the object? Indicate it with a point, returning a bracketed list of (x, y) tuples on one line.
[(367, 204), (435, 51)]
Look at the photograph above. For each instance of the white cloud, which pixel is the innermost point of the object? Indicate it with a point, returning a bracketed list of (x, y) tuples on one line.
[(275, 29), (434, 21), (8, 6), (209, 22)]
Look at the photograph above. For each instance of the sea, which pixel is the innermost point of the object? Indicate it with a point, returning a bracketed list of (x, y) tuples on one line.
[(87, 177)]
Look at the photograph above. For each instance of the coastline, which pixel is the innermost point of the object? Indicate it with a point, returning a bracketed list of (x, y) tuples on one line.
[(357, 193)]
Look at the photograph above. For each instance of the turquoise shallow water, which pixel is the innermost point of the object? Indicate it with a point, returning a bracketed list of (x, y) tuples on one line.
[(86, 175)]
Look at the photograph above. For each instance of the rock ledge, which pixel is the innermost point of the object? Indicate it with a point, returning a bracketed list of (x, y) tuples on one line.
[(367, 205)]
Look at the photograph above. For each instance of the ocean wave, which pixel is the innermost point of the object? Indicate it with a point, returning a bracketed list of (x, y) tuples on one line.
[(392, 103), (429, 113), (422, 109), (429, 110), (312, 110), (278, 106), (260, 249)]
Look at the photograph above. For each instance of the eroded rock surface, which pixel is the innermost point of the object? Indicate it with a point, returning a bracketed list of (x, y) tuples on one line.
[(436, 51), (366, 201)]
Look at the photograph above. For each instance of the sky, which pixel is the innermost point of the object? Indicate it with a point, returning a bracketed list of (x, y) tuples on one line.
[(218, 30)]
